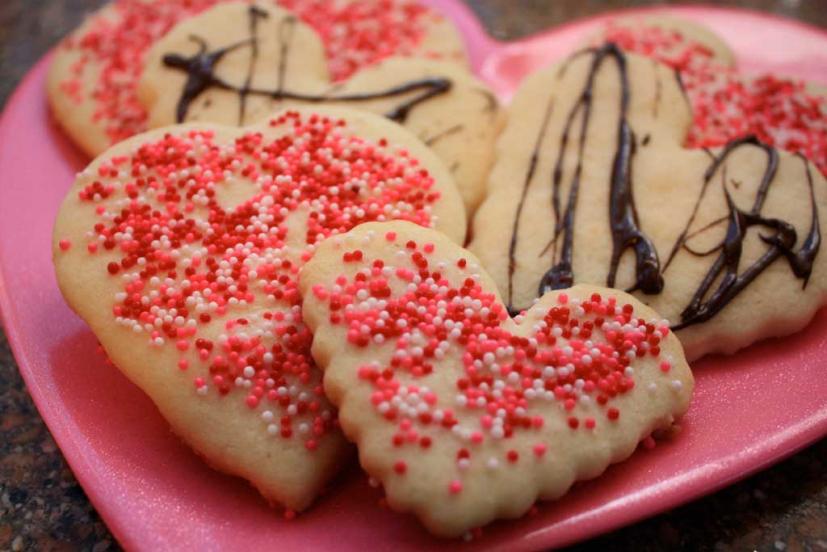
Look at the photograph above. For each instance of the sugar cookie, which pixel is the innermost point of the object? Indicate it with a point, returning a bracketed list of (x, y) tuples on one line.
[(464, 414), (92, 83), (181, 249), (591, 184)]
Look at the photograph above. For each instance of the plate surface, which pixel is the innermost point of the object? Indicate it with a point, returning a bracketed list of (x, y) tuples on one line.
[(750, 410)]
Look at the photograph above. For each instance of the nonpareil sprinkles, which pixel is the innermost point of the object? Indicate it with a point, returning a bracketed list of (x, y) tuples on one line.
[(218, 282), (424, 313), (728, 105)]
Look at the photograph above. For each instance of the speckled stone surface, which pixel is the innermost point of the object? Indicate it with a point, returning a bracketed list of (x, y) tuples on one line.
[(42, 507)]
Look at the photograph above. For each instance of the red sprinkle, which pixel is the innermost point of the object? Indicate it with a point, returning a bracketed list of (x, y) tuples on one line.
[(503, 376), (187, 276), (727, 105)]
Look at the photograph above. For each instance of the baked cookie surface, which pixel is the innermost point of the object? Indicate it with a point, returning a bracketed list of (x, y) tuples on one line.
[(181, 249), (92, 84), (592, 185), (234, 64), (464, 414)]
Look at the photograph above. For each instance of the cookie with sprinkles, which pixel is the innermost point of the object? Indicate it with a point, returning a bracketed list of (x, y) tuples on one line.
[(463, 414), (93, 79), (181, 250), (234, 64), (789, 114), (592, 184)]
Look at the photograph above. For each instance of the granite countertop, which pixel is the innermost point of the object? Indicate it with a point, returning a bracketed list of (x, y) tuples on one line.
[(42, 507)]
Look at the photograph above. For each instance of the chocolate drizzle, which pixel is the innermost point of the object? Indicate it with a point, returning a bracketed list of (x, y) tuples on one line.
[(255, 15), (723, 282), (201, 76), (200, 71), (287, 27), (658, 90), (623, 219), (515, 228), (706, 302), (431, 140), (682, 87)]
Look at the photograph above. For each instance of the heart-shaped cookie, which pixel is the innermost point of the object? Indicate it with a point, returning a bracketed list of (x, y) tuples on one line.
[(726, 103), (462, 413), (592, 185), (234, 64), (181, 249), (93, 79)]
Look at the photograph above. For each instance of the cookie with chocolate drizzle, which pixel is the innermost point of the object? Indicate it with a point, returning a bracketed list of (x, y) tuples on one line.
[(592, 184), (93, 79)]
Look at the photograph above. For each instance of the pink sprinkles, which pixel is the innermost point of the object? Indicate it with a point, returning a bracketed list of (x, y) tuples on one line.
[(727, 105), (191, 269), (579, 352)]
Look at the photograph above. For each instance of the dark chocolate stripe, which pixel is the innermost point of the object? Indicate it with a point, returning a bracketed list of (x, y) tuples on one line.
[(201, 76), (512, 246), (254, 14), (723, 282), (706, 302), (623, 219)]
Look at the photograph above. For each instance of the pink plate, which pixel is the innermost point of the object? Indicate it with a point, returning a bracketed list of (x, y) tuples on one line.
[(750, 410)]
